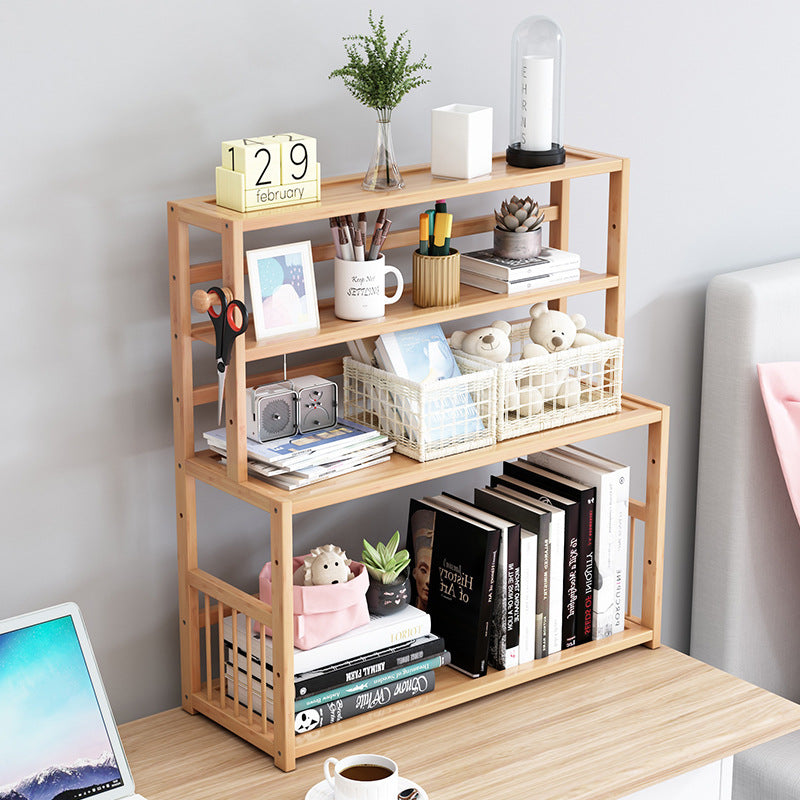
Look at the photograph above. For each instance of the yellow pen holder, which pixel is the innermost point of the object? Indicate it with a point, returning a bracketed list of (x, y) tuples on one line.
[(437, 279)]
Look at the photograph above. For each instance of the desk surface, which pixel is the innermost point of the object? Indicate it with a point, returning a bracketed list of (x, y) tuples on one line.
[(601, 730)]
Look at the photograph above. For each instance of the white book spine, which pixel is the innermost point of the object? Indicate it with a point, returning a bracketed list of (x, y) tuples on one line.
[(610, 540), (556, 580), (529, 546)]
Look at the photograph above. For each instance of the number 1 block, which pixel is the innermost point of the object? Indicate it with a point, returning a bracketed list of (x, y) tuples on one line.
[(258, 159)]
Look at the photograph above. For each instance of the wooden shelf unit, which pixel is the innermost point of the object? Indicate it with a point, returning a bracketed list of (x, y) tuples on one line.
[(205, 600)]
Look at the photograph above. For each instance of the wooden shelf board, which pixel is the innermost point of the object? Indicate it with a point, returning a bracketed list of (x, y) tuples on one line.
[(452, 689), (404, 314), (344, 195), (403, 471)]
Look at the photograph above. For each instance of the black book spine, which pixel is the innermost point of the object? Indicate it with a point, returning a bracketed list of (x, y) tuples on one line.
[(586, 572), (485, 620), (372, 664), (369, 700)]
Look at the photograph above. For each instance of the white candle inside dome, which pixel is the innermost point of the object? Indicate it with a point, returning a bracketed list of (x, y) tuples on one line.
[(536, 97)]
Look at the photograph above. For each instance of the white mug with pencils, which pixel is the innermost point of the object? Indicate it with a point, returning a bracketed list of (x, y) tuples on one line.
[(359, 271)]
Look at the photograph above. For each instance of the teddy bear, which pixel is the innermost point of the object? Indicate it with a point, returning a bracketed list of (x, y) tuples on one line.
[(324, 566), (492, 343), (552, 331)]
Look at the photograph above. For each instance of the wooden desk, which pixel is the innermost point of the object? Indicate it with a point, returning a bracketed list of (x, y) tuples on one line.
[(598, 731)]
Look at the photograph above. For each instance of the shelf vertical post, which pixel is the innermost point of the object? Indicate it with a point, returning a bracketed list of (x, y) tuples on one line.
[(655, 524), (559, 229), (235, 421), (617, 247), (183, 425), (282, 635)]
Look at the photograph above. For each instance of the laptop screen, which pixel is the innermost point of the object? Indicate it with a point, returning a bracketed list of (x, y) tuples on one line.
[(53, 737)]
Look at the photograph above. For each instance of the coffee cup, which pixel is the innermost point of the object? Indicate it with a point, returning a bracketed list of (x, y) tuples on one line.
[(362, 777), (360, 288)]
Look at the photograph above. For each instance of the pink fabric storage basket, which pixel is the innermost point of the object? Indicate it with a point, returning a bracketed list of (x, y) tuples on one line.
[(322, 612)]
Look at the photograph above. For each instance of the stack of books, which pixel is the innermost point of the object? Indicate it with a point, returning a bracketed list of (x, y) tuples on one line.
[(484, 269), (306, 458), (390, 659), (535, 563)]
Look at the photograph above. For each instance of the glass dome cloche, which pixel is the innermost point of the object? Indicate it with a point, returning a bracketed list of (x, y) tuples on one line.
[(537, 94)]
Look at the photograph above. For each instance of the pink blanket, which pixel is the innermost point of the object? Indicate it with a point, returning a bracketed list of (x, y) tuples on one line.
[(780, 388)]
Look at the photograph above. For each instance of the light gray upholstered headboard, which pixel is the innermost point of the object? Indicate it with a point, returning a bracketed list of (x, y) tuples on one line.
[(746, 601)]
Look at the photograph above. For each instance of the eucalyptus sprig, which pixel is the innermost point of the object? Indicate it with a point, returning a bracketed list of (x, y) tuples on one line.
[(384, 562), (377, 75)]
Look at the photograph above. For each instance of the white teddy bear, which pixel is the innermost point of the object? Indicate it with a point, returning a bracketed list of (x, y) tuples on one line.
[(552, 331), (492, 343)]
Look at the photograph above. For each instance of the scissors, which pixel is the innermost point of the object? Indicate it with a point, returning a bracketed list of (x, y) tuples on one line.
[(226, 329)]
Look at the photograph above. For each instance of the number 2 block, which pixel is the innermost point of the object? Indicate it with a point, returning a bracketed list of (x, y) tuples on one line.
[(298, 157), (258, 159)]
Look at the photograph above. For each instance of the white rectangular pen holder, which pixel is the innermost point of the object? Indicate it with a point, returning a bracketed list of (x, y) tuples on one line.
[(461, 141)]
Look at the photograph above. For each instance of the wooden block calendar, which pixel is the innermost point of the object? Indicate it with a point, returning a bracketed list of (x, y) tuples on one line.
[(266, 171)]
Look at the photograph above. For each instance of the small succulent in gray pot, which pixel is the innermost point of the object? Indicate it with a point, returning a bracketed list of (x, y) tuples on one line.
[(389, 586), (518, 233)]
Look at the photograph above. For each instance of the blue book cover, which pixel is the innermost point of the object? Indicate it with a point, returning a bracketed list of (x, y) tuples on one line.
[(423, 355), (420, 354)]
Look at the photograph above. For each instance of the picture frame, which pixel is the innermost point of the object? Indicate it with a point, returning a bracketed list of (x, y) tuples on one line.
[(283, 291)]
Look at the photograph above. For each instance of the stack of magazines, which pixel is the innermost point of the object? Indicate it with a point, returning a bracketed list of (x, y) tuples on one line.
[(310, 457)]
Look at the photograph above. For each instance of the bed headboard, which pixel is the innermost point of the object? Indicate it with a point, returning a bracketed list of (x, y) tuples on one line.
[(746, 601)]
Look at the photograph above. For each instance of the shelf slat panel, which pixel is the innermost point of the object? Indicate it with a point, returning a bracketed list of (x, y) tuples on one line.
[(404, 314), (344, 195), (402, 471)]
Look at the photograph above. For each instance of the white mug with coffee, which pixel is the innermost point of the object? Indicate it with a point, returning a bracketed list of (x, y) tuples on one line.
[(360, 288), (362, 777)]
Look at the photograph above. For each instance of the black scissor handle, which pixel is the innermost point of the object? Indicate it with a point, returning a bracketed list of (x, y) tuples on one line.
[(230, 328)]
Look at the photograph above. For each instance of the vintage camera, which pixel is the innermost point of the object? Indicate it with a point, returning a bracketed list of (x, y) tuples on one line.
[(271, 412), (317, 401), (300, 405)]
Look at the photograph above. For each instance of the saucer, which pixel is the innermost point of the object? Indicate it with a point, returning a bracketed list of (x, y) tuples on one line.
[(324, 791)]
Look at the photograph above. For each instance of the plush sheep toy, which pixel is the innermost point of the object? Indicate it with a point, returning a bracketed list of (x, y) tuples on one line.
[(552, 331), (492, 343)]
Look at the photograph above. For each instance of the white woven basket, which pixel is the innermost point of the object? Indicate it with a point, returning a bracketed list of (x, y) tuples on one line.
[(427, 420), (534, 394)]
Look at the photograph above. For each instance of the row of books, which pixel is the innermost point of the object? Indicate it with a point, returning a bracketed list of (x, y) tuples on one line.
[(486, 270), (390, 659), (534, 564), (306, 458)]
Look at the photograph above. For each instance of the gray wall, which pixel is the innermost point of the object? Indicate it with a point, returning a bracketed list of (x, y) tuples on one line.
[(111, 109)]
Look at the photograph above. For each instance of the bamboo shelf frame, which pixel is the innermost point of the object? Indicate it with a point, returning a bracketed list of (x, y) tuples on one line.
[(205, 600)]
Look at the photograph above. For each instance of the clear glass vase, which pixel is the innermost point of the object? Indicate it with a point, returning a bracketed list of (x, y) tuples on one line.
[(383, 173)]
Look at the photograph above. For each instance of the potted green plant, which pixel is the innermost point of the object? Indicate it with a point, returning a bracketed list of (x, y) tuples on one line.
[(518, 232), (379, 75), (389, 586)]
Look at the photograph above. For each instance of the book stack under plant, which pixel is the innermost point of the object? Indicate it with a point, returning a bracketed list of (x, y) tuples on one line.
[(390, 659)]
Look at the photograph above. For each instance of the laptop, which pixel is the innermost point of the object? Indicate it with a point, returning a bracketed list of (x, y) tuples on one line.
[(58, 737)]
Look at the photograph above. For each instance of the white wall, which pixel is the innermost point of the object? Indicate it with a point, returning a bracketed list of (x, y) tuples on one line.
[(111, 109)]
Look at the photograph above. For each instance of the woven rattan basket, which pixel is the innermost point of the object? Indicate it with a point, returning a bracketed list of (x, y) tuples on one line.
[(427, 420), (534, 394)]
